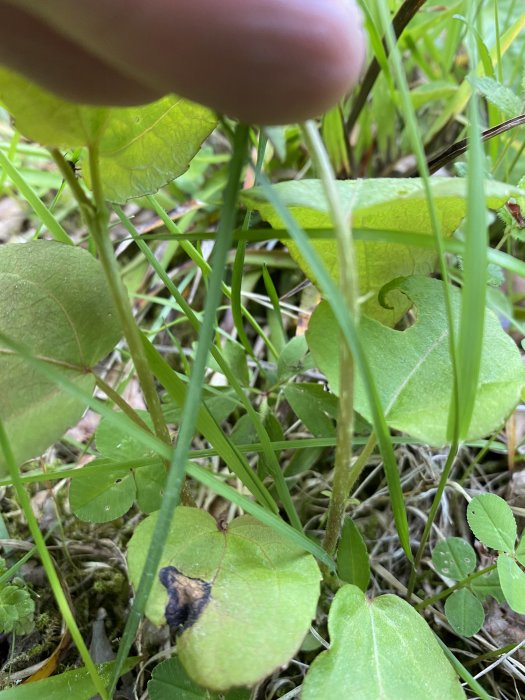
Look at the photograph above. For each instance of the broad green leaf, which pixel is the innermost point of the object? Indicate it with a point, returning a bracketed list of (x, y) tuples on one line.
[(488, 584), (392, 204), (311, 403), (492, 522), (380, 650), (102, 496), (169, 681), (512, 582), (353, 565), (75, 684), (464, 612), (454, 558), (53, 300), (227, 591), (140, 148), (413, 369)]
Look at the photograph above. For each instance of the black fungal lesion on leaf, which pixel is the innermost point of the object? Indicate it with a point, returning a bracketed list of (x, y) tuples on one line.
[(187, 598)]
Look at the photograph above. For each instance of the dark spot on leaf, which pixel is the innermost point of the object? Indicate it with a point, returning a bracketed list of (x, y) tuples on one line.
[(187, 598)]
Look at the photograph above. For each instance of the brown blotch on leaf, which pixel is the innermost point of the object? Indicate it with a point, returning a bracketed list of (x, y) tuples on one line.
[(187, 598)]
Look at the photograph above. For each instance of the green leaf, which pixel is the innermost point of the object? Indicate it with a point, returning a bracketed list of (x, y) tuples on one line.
[(464, 612), (53, 300), (413, 370), (503, 97), (143, 148), (393, 204), (488, 584), (140, 148), (169, 680), (226, 592), (353, 565), (120, 445), (60, 687), (454, 558), (492, 522), (380, 650), (101, 496), (16, 610), (313, 406), (512, 581), (293, 359)]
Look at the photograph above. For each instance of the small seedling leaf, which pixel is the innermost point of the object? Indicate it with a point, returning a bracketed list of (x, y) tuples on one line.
[(464, 612), (353, 565), (379, 649), (227, 592), (393, 204), (512, 581), (54, 301), (454, 558), (169, 680), (412, 367), (492, 522), (102, 496)]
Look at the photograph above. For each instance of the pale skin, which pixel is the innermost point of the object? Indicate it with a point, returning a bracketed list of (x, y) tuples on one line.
[(261, 61)]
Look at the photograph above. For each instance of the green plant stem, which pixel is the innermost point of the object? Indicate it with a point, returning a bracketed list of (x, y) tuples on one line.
[(432, 514), (350, 297), (463, 672), (119, 401), (192, 405), (25, 504), (98, 226), (460, 584)]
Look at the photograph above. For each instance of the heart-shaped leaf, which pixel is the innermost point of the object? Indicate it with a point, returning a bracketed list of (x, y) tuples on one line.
[(413, 370), (392, 204), (492, 522), (227, 591), (53, 300), (140, 148), (379, 649)]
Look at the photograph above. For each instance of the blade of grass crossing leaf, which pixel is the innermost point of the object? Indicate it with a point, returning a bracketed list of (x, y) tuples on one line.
[(475, 269), (53, 226), (417, 145), (192, 403), (178, 388), (25, 503), (349, 331), (464, 673), (277, 523)]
